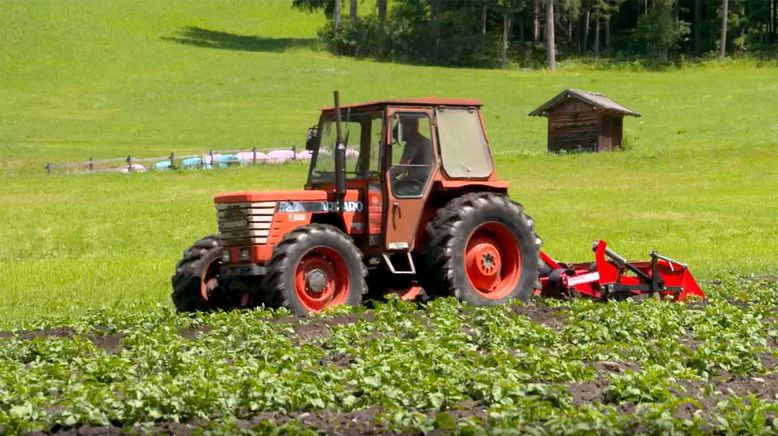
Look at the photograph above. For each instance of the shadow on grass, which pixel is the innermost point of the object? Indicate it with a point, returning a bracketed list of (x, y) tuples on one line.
[(200, 37)]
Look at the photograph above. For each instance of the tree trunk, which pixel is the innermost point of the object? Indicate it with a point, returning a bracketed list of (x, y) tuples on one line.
[(550, 44), (587, 19), (336, 17), (724, 14), (483, 20), (697, 27), (597, 35), (381, 6), (536, 21), (677, 6), (774, 20), (352, 11), (608, 35), (577, 33), (506, 29), (434, 9), (645, 9)]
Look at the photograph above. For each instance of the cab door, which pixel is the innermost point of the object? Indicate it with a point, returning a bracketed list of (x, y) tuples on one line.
[(410, 161)]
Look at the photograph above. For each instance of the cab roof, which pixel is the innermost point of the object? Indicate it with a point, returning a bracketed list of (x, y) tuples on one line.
[(426, 101)]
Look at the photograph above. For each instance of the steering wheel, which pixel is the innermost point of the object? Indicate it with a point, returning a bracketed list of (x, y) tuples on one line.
[(407, 187)]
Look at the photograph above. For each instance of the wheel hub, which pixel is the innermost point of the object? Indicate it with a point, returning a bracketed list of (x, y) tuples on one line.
[(209, 280), (492, 260), (489, 264), (483, 261), (316, 280), (321, 279)]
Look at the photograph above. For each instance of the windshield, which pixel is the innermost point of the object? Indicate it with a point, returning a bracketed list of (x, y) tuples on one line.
[(463, 146), (362, 134)]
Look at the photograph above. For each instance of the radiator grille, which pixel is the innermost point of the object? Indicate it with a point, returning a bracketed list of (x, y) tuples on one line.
[(245, 223)]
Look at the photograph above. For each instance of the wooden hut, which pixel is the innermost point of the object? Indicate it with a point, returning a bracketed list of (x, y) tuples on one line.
[(583, 121)]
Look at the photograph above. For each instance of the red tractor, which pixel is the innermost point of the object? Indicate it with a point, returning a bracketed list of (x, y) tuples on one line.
[(401, 196)]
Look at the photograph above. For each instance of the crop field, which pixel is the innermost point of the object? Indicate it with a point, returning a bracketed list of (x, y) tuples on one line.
[(568, 368), (88, 337)]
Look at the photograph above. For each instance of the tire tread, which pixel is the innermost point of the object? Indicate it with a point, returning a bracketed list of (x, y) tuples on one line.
[(444, 229)]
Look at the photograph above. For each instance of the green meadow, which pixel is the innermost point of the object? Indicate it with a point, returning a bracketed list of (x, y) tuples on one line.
[(80, 79)]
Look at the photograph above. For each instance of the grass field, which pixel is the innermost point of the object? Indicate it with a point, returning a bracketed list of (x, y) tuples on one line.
[(697, 182), (88, 258), (145, 77)]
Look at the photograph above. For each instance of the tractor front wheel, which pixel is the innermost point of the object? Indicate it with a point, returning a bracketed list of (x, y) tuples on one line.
[(196, 279), (482, 249), (315, 268)]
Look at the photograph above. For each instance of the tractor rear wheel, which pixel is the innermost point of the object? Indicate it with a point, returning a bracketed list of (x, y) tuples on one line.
[(196, 279), (315, 268), (482, 249)]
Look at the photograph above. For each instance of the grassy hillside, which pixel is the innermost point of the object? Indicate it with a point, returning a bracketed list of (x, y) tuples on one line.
[(81, 78), (104, 79)]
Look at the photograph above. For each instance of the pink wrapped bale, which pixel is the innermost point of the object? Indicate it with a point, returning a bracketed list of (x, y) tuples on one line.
[(304, 155), (248, 156), (280, 156), (136, 168)]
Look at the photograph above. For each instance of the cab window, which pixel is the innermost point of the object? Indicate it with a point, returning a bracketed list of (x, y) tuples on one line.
[(362, 137), (464, 151), (413, 155)]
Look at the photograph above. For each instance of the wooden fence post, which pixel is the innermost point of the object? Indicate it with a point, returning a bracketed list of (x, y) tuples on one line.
[(172, 160), (211, 154), (294, 151), (129, 163), (254, 157), (91, 164), (48, 168)]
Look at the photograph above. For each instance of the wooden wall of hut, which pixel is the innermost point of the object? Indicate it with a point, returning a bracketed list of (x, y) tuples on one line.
[(573, 126)]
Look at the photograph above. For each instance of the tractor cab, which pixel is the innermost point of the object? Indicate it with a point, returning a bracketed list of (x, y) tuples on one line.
[(399, 155)]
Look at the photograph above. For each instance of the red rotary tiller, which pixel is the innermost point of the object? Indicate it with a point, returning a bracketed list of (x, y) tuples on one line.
[(613, 277)]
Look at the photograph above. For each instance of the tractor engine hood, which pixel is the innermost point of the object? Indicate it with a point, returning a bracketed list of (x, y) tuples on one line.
[(276, 196), (309, 200), (251, 223)]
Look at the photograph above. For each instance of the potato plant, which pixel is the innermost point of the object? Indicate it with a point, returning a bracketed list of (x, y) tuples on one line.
[(551, 367)]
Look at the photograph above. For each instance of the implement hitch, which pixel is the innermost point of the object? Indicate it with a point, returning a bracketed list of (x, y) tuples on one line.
[(613, 277)]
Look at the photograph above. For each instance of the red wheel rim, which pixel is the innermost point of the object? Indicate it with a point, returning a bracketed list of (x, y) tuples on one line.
[(321, 279), (209, 280), (492, 260)]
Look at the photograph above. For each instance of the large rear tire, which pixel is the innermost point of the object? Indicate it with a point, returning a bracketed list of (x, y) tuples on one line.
[(482, 249), (315, 268), (196, 279)]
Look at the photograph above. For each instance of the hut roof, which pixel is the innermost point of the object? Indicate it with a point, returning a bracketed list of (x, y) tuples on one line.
[(599, 101)]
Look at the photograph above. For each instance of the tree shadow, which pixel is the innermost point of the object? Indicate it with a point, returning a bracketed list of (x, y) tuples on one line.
[(199, 37)]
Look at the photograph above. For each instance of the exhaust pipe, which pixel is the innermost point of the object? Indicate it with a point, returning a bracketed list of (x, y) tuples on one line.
[(340, 157)]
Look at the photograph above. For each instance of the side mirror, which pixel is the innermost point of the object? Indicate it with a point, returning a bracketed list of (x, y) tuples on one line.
[(311, 137)]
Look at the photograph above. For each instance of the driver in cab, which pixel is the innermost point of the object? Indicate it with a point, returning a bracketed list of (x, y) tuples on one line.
[(418, 148), (416, 160)]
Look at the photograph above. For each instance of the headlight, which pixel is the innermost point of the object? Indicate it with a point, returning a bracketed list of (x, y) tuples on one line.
[(244, 254), (226, 256)]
